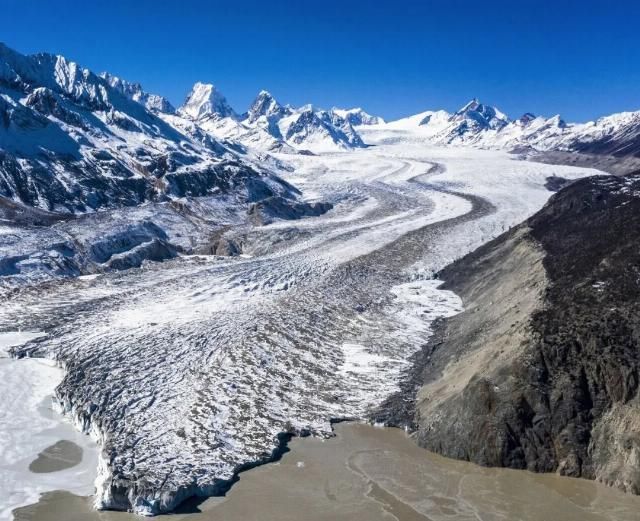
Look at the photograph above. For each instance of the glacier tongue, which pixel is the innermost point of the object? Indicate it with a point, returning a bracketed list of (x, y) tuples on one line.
[(191, 369)]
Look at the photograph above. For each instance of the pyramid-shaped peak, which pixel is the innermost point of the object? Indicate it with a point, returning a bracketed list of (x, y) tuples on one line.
[(206, 100), (474, 104), (526, 118), (265, 105)]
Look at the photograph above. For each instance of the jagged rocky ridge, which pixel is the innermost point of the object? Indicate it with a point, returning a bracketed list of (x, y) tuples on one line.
[(72, 142), (540, 371), (134, 91), (270, 126)]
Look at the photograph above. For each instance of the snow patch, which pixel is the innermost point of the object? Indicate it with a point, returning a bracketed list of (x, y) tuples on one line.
[(421, 302)]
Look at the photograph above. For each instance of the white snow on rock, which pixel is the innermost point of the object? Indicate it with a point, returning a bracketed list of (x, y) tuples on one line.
[(204, 101), (357, 116), (484, 126), (134, 91)]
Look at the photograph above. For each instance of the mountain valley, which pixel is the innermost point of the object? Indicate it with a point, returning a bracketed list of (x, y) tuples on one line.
[(215, 282)]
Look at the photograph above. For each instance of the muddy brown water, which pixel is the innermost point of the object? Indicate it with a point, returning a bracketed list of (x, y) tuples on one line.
[(368, 473), (62, 455)]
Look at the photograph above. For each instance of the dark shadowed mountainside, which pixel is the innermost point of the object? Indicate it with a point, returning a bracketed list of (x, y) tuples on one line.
[(540, 371)]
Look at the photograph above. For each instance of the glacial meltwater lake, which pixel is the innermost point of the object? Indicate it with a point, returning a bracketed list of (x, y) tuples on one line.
[(369, 473)]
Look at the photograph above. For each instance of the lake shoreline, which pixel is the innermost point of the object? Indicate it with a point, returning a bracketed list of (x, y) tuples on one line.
[(376, 473)]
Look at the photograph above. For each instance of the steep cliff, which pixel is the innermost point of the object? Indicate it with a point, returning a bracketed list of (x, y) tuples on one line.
[(540, 371)]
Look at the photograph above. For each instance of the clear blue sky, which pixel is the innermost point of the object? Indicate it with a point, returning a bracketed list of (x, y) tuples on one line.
[(392, 57)]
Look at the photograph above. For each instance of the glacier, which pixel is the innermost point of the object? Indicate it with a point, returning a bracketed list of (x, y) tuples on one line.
[(212, 282), (191, 369)]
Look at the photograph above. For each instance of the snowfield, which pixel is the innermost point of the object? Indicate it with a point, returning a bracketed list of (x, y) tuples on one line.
[(189, 369)]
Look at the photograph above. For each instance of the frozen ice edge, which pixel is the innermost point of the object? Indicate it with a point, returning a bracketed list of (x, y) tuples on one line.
[(418, 303)]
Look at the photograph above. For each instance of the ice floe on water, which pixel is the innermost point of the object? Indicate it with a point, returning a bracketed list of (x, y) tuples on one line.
[(28, 426)]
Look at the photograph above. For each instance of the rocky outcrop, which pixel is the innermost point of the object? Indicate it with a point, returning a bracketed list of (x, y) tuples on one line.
[(271, 208), (541, 370)]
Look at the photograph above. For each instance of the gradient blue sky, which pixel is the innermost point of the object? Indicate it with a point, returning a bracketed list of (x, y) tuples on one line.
[(394, 58)]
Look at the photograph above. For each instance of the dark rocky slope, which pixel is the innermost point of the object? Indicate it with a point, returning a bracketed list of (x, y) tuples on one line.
[(541, 370), (612, 164)]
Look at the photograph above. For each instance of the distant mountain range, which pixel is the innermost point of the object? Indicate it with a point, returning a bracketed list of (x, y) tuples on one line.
[(75, 141), (481, 125), (268, 125)]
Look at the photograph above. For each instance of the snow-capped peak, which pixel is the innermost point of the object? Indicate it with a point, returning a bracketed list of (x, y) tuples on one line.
[(474, 104), (486, 111), (478, 116), (204, 101), (357, 116), (557, 121), (55, 73), (526, 118), (317, 130), (265, 105)]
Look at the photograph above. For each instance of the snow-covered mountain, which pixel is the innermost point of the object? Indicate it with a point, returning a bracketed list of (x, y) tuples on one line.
[(481, 125), (73, 141), (475, 117), (357, 116), (268, 125), (618, 134), (307, 127), (134, 91), (206, 112), (205, 101), (465, 126), (266, 107), (318, 130)]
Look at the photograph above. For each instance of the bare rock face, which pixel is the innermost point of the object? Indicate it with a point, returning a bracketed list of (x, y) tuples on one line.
[(226, 247), (272, 208), (541, 370)]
